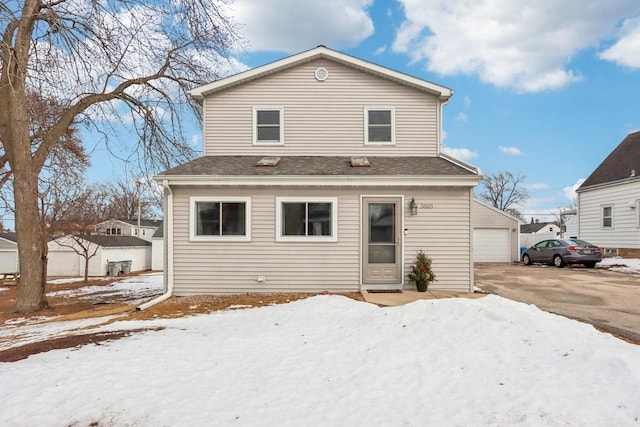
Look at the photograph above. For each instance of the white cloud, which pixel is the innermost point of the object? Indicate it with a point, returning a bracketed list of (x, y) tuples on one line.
[(570, 190), (467, 101), (626, 51), (512, 151), (525, 45), (296, 25), (463, 154), (380, 50), (462, 117), (537, 186), (444, 135)]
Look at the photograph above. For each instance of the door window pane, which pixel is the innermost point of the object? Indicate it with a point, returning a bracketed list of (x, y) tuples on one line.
[(382, 254), (382, 223)]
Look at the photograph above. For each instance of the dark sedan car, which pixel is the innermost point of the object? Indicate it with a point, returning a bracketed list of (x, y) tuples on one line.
[(560, 252)]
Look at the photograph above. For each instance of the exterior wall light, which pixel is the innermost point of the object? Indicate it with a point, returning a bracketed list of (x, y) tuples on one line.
[(413, 207)]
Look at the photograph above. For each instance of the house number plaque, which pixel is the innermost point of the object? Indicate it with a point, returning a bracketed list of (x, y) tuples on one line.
[(426, 205)]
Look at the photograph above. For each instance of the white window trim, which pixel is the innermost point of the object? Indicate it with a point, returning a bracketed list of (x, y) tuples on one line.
[(307, 239), (602, 226), (638, 213), (192, 219), (393, 126), (255, 126)]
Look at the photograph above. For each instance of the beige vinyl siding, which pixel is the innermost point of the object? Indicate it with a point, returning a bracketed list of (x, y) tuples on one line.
[(443, 233), (485, 217), (233, 267), (625, 232), (321, 118)]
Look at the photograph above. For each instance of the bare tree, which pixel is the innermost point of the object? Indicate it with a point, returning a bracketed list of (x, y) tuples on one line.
[(124, 196), (81, 246), (505, 191), (100, 60)]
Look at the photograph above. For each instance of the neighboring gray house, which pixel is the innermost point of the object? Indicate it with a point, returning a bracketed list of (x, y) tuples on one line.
[(64, 261), (129, 227), (320, 171), (530, 234), (496, 236), (9, 253), (609, 201)]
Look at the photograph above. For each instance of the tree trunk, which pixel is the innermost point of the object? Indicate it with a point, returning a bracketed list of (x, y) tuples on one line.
[(86, 268), (31, 240)]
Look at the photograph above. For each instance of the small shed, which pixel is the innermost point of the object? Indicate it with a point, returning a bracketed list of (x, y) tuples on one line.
[(64, 261), (495, 234)]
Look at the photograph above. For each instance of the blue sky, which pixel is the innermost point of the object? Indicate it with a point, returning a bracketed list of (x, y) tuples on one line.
[(542, 87)]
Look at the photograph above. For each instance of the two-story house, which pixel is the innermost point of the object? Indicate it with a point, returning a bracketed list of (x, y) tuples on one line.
[(128, 227), (320, 171), (609, 201)]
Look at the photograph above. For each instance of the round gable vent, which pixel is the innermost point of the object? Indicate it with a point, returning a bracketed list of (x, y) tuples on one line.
[(321, 74)]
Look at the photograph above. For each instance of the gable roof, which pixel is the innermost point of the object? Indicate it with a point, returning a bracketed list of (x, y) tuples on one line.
[(116, 241), (498, 211), (144, 222), (321, 52), (242, 170), (159, 233), (535, 227), (12, 237), (621, 165)]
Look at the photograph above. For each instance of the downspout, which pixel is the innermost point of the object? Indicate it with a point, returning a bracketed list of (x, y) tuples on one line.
[(168, 250)]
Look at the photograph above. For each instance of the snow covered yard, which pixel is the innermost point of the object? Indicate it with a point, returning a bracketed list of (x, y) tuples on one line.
[(621, 265), (331, 360)]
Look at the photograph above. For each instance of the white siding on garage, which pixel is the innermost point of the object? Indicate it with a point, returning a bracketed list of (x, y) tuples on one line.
[(64, 262), (157, 254), (491, 245), (485, 217), (9, 261)]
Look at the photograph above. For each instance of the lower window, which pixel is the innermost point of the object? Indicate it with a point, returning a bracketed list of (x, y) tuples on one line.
[(301, 219), (220, 219)]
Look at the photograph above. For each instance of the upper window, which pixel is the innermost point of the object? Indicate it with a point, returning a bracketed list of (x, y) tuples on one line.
[(267, 125), (379, 126), (607, 217), (301, 219), (114, 231), (225, 218)]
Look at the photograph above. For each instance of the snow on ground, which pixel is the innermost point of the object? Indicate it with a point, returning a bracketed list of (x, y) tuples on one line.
[(134, 289), (73, 280), (621, 265), (330, 360)]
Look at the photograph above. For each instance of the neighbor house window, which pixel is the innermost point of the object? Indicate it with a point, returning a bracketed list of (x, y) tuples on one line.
[(227, 218), (268, 125), (607, 217), (379, 125), (302, 219), (114, 231)]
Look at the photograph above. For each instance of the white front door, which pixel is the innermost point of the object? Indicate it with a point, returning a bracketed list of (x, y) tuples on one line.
[(382, 242)]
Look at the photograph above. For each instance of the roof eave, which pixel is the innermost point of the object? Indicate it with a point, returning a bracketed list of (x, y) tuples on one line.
[(200, 92), (322, 180)]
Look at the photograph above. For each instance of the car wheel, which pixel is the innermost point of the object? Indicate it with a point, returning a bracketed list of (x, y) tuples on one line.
[(557, 261), (589, 264), (526, 260)]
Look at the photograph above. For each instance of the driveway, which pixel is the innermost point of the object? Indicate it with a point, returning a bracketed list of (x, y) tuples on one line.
[(610, 301)]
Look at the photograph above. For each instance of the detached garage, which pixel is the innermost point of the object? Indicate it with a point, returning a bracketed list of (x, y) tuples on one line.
[(495, 234), (9, 253)]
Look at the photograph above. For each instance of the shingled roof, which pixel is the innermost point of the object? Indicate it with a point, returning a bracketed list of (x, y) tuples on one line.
[(318, 166), (622, 164), (116, 241)]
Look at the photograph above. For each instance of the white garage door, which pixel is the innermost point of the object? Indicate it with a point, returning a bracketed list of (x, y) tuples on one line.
[(491, 245), (63, 263), (9, 261)]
